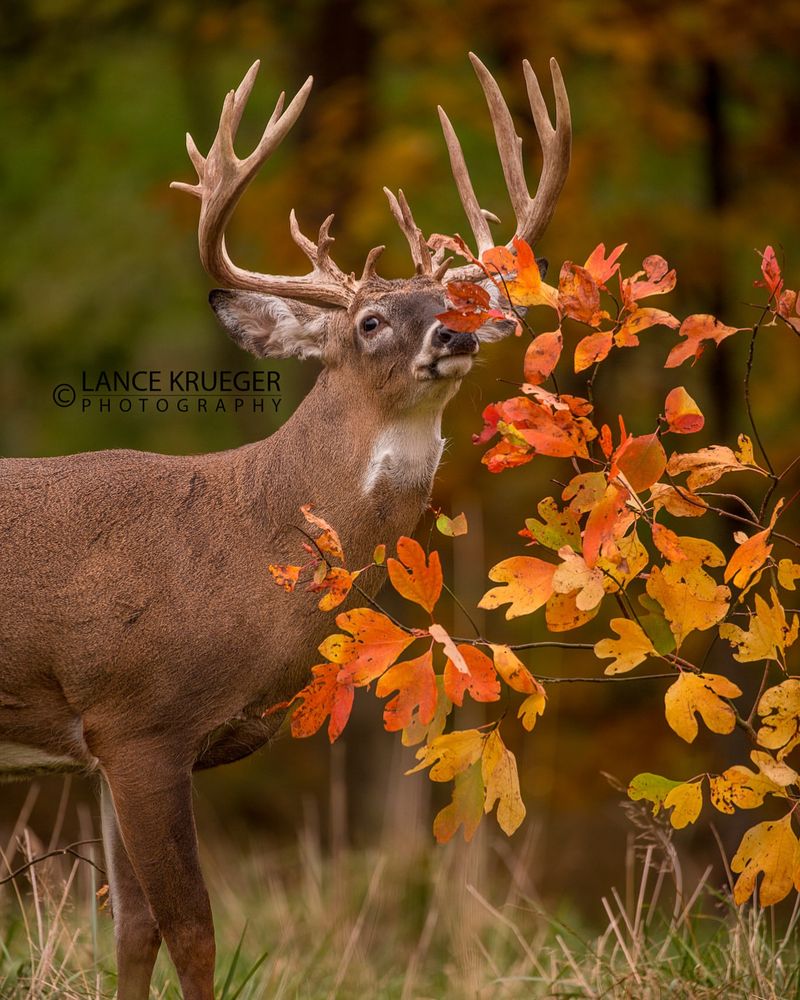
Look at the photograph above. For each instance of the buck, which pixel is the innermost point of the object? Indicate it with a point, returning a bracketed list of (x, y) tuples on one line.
[(141, 636)]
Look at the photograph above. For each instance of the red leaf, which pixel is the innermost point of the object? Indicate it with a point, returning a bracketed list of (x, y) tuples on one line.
[(658, 280), (542, 356), (641, 460), (324, 696), (600, 267), (697, 329), (771, 271), (481, 682)]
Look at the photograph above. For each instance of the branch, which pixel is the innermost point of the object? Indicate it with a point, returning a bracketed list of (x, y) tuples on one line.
[(69, 849)]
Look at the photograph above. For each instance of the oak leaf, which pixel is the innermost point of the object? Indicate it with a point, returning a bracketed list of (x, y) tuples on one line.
[(691, 599), (700, 694)]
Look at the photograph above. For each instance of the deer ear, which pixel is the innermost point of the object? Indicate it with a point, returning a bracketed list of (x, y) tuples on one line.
[(270, 326)]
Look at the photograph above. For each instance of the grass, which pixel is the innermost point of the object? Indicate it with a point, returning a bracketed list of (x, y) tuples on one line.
[(407, 921)]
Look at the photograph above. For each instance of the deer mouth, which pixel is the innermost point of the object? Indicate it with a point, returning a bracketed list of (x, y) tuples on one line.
[(449, 366)]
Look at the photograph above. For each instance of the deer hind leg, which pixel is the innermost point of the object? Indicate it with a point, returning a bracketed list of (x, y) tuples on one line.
[(135, 929), (153, 807)]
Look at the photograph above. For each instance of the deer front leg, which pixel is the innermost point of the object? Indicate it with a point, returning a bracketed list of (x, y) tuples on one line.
[(136, 932), (152, 803)]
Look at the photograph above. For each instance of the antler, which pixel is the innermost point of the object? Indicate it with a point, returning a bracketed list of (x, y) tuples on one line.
[(532, 214), (223, 178)]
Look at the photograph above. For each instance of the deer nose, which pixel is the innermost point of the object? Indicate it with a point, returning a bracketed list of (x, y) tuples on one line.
[(455, 341)]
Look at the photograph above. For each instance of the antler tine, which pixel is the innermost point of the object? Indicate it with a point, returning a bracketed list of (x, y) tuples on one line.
[(532, 214), (223, 178), (466, 192), (369, 271), (401, 211)]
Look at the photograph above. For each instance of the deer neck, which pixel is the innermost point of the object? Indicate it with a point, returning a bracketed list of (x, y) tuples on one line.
[(355, 461)]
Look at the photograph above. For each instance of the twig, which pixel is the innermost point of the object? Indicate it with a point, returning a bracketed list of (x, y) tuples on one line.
[(60, 852)]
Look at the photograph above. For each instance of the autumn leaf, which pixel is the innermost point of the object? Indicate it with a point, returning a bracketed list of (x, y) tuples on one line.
[(771, 272), (574, 576), (779, 710), (667, 542), (557, 527), (324, 696), (751, 555), (542, 356), (685, 801), (449, 755), (416, 731), (328, 541), (579, 295), (655, 625), (600, 267), (700, 694), (379, 555), (641, 460), (337, 583), (533, 706), (287, 576), (513, 671), (768, 636), (415, 701), (592, 348), (788, 573), (776, 771), (453, 527), (561, 613), (654, 279), (584, 491), (439, 634), (413, 577), (372, 645), (628, 651), (740, 788), (642, 319), (528, 289), (480, 681), (683, 415), (706, 466), (466, 807), (529, 583), (678, 502), (623, 561), (691, 599), (603, 522), (697, 330), (771, 848), (499, 768)]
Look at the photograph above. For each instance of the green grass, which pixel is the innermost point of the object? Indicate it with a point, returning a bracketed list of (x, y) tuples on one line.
[(410, 921)]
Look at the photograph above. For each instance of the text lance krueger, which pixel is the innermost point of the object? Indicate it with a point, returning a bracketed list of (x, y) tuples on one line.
[(184, 391)]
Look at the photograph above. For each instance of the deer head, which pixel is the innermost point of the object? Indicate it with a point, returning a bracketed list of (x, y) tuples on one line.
[(383, 333)]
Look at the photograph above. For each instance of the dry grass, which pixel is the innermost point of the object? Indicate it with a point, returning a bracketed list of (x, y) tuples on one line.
[(409, 922)]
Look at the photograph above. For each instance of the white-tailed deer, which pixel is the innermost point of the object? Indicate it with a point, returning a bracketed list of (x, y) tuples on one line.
[(141, 636)]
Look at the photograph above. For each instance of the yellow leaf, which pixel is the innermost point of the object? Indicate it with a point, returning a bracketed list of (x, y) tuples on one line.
[(529, 585), (573, 576), (532, 708), (452, 526), (466, 807), (777, 771), (707, 465), (652, 787), (701, 694), (632, 648), (691, 599), (788, 573), (740, 788), (500, 777), (769, 634), (779, 709), (622, 562), (679, 503), (685, 801), (450, 754), (453, 653), (513, 671), (771, 848), (561, 613)]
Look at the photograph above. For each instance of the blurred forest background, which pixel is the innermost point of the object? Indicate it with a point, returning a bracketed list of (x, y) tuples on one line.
[(686, 123)]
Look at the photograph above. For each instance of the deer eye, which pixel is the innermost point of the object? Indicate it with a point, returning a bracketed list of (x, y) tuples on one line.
[(370, 324)]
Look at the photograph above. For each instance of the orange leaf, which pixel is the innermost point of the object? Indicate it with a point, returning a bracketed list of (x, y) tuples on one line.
[(641, 460), (542, 356), (528, 289), (771, 271), (751, 555), (642, 318), (600, 267), (682, 413), (481, 681), (668, 543), (329, 541), (697, 329), (591, 349), (285, 576), (529, 584), (603, 521), (416, 580), (337, 582), (374, 643), (657, 280), (415, 682), (578, 295), (324, 696)]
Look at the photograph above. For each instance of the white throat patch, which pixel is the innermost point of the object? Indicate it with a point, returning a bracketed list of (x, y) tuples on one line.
[(407, 451)]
